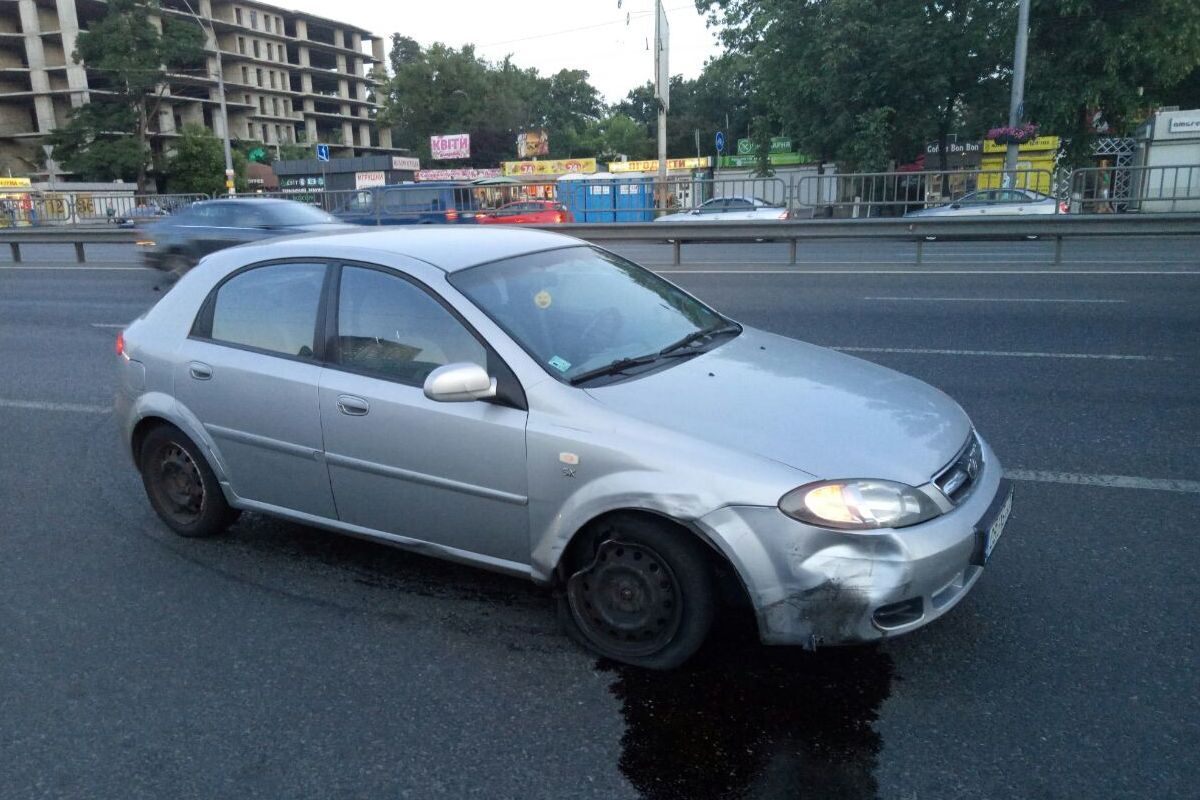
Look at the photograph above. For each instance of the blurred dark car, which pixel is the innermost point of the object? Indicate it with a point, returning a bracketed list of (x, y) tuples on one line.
[(176, 242), (527, 212)]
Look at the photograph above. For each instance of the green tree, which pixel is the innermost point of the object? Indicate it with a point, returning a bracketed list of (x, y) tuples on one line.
[(1118, 59), (440, 89), (196, 163), (128, 59)]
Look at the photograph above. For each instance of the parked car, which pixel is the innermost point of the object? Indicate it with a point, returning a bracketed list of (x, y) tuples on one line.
[(528, 403), (175, 243), (525, 212), (729, 208), (996, 202), (425, 203)]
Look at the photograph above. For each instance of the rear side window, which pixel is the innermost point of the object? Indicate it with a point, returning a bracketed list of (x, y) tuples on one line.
[(272, 308)]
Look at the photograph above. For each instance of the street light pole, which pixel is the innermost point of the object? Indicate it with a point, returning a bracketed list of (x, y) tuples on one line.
[(208, 29), (1016, 105)]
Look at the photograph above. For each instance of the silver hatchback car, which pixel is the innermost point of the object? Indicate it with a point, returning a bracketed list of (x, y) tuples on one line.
[(532, 404)]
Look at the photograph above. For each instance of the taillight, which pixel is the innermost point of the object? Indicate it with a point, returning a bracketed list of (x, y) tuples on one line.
[(559, 217), (785, 215), (121, 343), (1063, 208), (451, 215)]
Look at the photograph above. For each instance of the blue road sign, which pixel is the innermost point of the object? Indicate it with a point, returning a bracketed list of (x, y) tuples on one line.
[(720, 141), (322, 152)]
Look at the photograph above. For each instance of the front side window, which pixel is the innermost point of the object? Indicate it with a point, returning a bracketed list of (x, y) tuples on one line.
[(578, 309), (388, 326), (272, 308)]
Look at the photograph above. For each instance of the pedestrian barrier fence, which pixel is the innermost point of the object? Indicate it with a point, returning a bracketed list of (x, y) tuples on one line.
[(35, 209), (1135, 189)]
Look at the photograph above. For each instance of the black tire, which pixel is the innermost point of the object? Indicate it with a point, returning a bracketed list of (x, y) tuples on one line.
[(638, 591), (181, 486)]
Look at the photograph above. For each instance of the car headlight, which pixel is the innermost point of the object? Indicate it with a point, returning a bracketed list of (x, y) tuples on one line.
[(858, 504)]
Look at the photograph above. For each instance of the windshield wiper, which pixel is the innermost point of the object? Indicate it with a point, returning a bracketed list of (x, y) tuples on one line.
[(703, 333), (614, 368)]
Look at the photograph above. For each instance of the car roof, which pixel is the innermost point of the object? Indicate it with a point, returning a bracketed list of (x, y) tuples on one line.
[(447, 247)]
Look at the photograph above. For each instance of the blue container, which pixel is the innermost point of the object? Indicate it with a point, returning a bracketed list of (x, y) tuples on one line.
[(572, 193), (598, 202), (634, 198)]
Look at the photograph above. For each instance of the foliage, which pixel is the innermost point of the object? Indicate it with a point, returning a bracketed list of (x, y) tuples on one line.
[(1113, 58), (441, 90), (196, 163), (868, 82), (761, 138), (108, 138)]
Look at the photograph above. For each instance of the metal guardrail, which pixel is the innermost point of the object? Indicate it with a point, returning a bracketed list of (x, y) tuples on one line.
[(919, 230), (80, 237)]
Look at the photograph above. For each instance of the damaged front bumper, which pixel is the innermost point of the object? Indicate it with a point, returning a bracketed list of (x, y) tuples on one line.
[(812, 585)]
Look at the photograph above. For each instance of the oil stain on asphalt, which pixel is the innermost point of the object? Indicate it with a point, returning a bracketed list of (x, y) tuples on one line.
[(756, 723)]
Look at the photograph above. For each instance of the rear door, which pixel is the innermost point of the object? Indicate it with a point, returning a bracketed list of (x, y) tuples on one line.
[(249, 373)]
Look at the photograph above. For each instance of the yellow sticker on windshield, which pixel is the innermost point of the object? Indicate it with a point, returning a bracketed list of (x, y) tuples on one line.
[(542, 299)]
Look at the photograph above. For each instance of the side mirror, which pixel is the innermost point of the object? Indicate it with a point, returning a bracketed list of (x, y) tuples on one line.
[(956, 205), (459, 383), (695, 211)]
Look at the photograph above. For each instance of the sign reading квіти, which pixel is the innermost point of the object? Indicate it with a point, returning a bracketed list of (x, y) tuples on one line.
[(454, 145)]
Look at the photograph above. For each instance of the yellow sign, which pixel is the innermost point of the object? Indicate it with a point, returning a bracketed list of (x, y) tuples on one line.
[(14, 183), (1038, 143), (652, 164), (557, 166)]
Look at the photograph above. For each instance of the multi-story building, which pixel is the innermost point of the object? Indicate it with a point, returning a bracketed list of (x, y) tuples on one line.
[(289, 77)]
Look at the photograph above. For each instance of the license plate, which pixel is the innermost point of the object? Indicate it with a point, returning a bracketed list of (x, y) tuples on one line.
[(997, 527)]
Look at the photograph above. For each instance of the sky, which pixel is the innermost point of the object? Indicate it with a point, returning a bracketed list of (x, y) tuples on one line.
[(551, 35)]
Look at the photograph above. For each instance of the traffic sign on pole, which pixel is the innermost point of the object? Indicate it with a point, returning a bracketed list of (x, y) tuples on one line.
[(322, 152), (720, 141)]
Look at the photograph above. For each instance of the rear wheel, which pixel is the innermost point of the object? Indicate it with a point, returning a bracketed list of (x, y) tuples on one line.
[(181, 486), (640, 592)]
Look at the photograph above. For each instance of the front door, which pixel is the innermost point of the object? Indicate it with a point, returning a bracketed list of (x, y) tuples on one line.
[(248, 373), (453, 474)]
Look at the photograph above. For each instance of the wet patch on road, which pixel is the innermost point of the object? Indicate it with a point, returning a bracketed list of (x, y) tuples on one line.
[(746, 721)]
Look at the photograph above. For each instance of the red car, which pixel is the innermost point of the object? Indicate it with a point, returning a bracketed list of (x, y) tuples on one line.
[(538, 212)]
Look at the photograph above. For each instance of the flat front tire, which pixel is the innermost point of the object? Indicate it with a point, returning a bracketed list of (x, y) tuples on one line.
[(181, 486), (639, 592)]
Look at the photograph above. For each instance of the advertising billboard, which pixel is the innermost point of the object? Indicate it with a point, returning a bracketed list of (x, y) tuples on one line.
[(533, 143), (405, 162), (454, 145), (557, 166)]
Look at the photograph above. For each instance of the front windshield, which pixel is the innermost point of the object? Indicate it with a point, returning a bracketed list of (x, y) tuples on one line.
[(299, 214), (577, 309)]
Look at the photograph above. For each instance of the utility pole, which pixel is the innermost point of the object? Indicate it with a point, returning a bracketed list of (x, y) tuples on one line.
[(1016, 105), (208, 29), (662, 85)]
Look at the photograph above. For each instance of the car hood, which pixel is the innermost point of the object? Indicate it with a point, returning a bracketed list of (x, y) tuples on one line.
[(811, 408)]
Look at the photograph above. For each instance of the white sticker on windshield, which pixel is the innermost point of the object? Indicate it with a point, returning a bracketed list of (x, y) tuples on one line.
[(560, 364)]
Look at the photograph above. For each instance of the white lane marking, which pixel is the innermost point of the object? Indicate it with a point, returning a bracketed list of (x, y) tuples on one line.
[(799, 269), (4, 267), (38, 405), (109, 324), (994, 299), (1006, 353), (1106, 481)]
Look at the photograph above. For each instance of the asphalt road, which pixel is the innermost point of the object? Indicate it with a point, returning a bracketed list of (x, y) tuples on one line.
[(282, 661)]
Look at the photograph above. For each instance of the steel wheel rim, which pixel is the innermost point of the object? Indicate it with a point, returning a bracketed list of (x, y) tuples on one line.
[(627, 601), (179, 485)]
